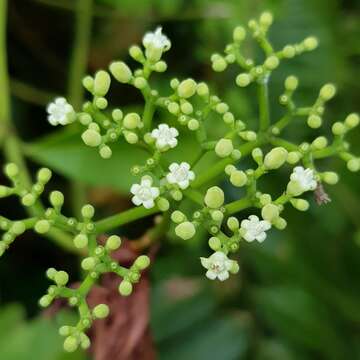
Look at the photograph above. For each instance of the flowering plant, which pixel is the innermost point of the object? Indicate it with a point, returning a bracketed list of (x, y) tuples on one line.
[(160, 186)]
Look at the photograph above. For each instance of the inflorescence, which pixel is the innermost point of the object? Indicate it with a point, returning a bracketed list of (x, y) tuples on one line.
[(161, 186)]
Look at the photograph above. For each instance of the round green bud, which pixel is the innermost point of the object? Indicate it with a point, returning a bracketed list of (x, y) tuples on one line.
[(243, 80), (224, 148), (320, 142), (177, 217), (222, 108), (56, 199), (44, 175), (176, 195), (163, 204), (132, 121), (187, 88), (88, 83), (174, 108), (125, 288), (330, 177), (101, 103), (50, 273), (186, 108), (300, 204), (214, 197), (228, 118), (217, 215), (142, 262), (102, 83), (202, 89), (91, 138), (289, 51), (327, 92), (45, 301), (311, 43), (233, 223), (266, 19), (81, 241), (11, 170), (291, 83), (136, 53), (87, 211), (42, 226), (174, 83), (272, 62), (214, 243), (18, 228), (113, 242), (270, 212), (352, 120), (293, 157), (131, 137), (61, 278), (85, 342), (280, 223), (185, 230), (28, 199), (265, 199), (236, 154), (338, 128), (121, 71), (229, 169), (219, 64), (117, 115), (353, 165), (140, 82), (105, 152), (94, 126), (71, 344), (160, 66), (101, 311), (275, 158), (73, 301), (235, 268), (88, 263), (238, 178), (314, 121), (239, 34), (65, 330), (257, 155), (193, 124)]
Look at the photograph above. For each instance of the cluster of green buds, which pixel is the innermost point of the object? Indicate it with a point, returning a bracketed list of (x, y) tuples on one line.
[(161, 186)]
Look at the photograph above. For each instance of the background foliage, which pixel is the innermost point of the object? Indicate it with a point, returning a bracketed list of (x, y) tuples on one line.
[(297, 295)]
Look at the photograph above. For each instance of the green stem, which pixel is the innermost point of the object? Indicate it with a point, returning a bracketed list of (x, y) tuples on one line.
[(238, 205), (148, 114), (264, 112)]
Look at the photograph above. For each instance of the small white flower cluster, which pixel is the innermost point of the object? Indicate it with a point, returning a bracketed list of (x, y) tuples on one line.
[(156, 40), (218, 266), (165, 137), (60, 112), (180, 174), (254, 229), (305, 178)]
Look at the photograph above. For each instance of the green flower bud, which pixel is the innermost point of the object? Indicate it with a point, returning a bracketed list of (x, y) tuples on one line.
[(88, 83), (56, 199), (352, 120), (266, 19), (101, 83), (185, 230), (105, 152), (136, 53), (300, 204), (117, 115), (176, 195), (272, 62), (280, 223), (187, 88), (174, 83), (219, 64), (174, 108), (294, 188), (61, 278), (265, 199), (239, 34), (353, 165), (88, 263), (160, 66), (233, 223), (131, 137), (320, 143), (193, 124), (236, 154), (234, 267), (224, 148), (311, 43), (217, 215), (42, 226), (163, 204), (293, 157), (87, 211), (101, 103), (289, 51), (243, 80), (125, 288), (45, 301), (11, 170), (91, 138), (28, 200), (229, 169), (81, 241), (228, 118), (222, 108), (338, 128), (257, 155), (186, 108), (101, 311), (50, 273), (327, 92), (113, 242), (330, 177), (142, 262), (214, 243), (270, 212), (64, 330), (44, 175), (121, 71), (314, 121), (238, 178), (248, 135), (71, 344), (214, 197), (275, 158), (291, 83), (202, 89), (140, 82), (178, 217)]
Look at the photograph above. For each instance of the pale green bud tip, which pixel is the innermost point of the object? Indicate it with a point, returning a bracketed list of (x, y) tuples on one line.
[(45, 301), (28, 200), (320, 142), (187, 88), (117, 115), (270, 212), (142, 262), (338, 128), (140, 82), (44, 175), (101, 311), (102, 83), (80, 241), (120, 71), (272, 62), (314, 121), (275, 158), (291, 83), (101, 103), (300, 204), (131, 137), (327, 92), (214, 197), (61, 278), (234, 267), (71, 344), (243, 80), (50, 273), (289, 51), (185, 230), (105, 152), (294, 188), (193, 124), (42, 226), (132, 121), (224, 148), (352, 120), (125, 288), (163, 204), (214, 243), (238, 178), (88, 263), (11, 170), (177, 217), (233, 223), (293, 157), (56, 198), (217, 215), (91, 138), (280, 223), (88, 83), (136, 53), (239, 34), (18, 227), (202, 89), (266, 18), (219, 64), (113, 242), (160, 66), (353, 165), (330, 177), (87, 211), (311, 43)]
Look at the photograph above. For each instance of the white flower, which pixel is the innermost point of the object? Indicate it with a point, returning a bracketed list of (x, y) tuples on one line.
[(165, 136), (254, 228), (304, 177), (144, 193), (217, 265), (156, 40), (180, 174), (60, 112)]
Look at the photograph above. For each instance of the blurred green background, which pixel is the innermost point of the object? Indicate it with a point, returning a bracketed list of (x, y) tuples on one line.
[(298, 294)]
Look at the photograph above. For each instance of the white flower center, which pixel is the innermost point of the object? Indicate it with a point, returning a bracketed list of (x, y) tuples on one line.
[(144, 193)]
